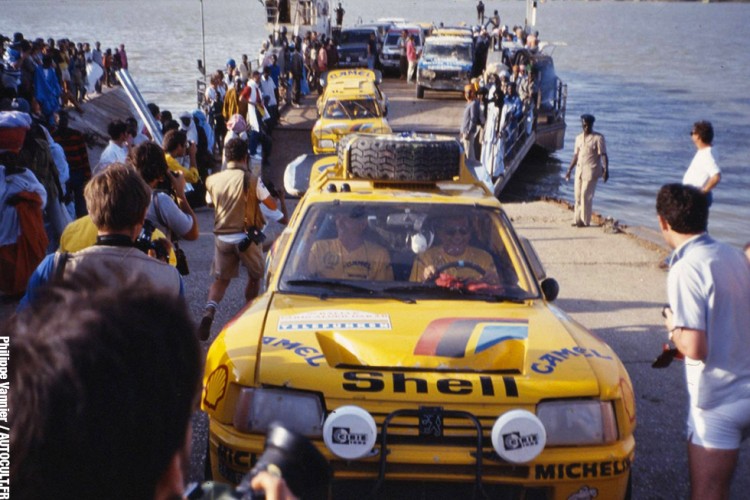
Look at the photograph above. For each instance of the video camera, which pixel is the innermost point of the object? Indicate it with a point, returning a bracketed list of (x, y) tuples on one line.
[(303, 467)]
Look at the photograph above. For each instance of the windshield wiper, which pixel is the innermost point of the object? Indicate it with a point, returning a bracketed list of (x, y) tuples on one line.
[(345, 285), (440, 291)]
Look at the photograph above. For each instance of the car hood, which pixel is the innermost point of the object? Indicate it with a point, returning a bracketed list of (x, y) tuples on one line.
[(342, 127), (305, 346), (434, 63)]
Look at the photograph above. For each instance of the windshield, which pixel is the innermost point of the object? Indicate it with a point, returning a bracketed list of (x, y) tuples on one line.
[(354, 37), (351, 109), (407, 251), (460, 52), (392, 38)]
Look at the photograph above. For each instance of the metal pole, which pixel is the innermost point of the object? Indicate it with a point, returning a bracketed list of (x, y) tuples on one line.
[(203, 39)]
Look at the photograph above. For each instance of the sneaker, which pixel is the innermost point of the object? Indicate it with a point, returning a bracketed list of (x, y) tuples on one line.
[(204, 330)]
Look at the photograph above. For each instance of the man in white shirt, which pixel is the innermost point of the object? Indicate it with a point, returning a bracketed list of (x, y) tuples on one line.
[(268, 91), (117, 149), (703, 171)]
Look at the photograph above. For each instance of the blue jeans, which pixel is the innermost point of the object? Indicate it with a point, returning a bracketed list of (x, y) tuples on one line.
[(254, 140)]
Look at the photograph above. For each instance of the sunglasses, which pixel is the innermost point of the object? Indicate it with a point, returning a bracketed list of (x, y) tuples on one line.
[(453, 230)]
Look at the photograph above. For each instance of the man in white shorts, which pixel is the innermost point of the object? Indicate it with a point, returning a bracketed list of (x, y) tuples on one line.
[(709, 322)]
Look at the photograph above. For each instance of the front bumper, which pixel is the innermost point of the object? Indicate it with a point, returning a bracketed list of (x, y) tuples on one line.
[(557, 473)]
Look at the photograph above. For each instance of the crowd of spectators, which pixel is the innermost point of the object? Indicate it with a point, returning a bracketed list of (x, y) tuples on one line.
[(55, 74)]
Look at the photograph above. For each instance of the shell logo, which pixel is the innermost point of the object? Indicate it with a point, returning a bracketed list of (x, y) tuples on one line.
[(216, 387)]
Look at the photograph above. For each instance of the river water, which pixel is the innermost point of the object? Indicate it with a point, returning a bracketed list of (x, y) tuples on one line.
[(647, 70)]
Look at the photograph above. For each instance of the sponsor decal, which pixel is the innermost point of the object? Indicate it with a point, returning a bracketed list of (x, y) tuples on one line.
[(311, 355), (401, 383), (364, 73), (454, 337), (582, 470), (216, 387), (235, 458), (546, 363), (345, 436), (334, 319), (516, 441), (585, 493)]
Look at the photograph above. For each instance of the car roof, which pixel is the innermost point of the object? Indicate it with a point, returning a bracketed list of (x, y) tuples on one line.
[(448, 40)]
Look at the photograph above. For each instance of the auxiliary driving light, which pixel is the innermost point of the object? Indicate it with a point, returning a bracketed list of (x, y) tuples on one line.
[(350, 432), (518, 436)]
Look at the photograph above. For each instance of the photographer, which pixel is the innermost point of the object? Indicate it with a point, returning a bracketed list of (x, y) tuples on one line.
[(172, 216), (238, 223), (114, 373), (117, 200)]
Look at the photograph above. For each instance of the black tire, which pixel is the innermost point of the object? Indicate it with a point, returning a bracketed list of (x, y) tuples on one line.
[(412, 158), (420, 92)]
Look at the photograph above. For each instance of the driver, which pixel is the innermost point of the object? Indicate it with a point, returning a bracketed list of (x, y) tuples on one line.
[(454, 255), (349, 255)]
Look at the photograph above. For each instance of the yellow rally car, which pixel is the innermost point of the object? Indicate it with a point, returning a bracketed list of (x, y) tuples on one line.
[(409, 333), (351, 102)]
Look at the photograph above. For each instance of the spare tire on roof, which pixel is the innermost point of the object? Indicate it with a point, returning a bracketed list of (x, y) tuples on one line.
[(401, 157)]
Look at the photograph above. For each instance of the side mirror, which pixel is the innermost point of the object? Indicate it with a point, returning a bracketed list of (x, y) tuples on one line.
[(550, 289)]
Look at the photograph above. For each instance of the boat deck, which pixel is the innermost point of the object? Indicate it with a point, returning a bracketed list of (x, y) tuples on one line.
[(437, 113)]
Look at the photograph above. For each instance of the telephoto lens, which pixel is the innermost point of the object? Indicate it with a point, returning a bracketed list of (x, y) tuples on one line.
[(305, 470)]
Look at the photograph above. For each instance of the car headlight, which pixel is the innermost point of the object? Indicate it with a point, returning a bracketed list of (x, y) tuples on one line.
[(580, 422), (299, 411), (427, 73), (326, 144)]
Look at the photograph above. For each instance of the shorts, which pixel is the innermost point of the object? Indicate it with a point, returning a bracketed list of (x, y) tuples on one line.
[(722, 427), (227, 258)]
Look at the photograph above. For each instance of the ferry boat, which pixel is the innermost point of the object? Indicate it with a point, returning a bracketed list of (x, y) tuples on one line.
[(506, 142)]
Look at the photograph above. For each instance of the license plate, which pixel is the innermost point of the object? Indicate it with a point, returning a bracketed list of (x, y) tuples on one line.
[(431, 421)]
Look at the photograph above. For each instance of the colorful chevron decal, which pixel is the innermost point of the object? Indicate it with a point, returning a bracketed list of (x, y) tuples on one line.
[(459, 337)]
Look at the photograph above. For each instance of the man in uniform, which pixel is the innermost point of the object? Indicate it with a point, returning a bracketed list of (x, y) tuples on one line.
[(590, 157)]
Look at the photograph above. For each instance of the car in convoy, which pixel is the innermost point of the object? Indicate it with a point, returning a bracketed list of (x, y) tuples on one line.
[(351, 102), (352, 46), (390, 56), (338, 82), (410, 333), (445, 64)]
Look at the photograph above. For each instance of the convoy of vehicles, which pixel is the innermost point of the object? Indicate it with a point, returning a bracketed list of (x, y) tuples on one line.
[(430, 353), (390, 55)]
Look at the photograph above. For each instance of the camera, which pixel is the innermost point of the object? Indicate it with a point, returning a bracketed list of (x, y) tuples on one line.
[(304, 469), (254, 235), (144, 242)]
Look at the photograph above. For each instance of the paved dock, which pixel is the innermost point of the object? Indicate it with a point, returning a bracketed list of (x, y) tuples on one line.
[(610, 282)]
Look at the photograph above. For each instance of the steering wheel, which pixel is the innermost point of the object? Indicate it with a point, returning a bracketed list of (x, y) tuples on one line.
[(461, 264)]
